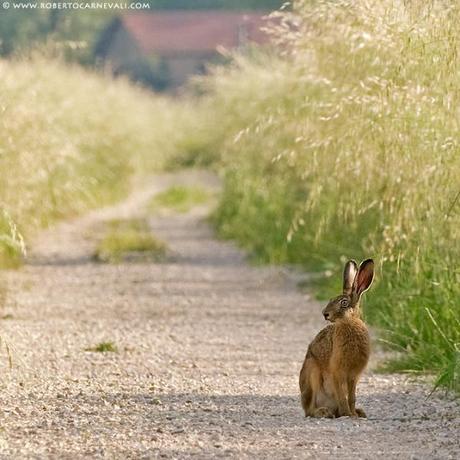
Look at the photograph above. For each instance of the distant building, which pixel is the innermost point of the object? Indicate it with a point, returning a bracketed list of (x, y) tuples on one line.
[(165, 48)]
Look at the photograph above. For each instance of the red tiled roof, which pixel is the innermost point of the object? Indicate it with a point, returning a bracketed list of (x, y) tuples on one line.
[(185, 31)]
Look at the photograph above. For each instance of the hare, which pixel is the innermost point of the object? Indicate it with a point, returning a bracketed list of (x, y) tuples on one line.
[(339, 353)]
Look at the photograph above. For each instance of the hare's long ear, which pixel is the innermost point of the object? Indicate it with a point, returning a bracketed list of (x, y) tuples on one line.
[(349, 275), (364, 277)]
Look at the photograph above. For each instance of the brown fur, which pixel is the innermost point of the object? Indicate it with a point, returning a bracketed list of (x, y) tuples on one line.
[(339, 353)]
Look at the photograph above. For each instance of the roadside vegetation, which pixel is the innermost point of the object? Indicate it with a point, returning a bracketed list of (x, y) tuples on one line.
[(347, 145), (69, 141)]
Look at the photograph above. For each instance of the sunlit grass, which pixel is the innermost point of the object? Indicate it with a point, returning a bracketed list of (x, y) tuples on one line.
[(180, 198), (126, 239), (71, 140), (349, 147)]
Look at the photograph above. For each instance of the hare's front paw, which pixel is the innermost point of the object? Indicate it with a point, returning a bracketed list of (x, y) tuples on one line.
[(324, 412), (360, 413)]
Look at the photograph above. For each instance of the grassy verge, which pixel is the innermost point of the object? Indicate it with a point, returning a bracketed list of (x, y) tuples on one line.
[(126, 239), (71, 140), (349, 147)]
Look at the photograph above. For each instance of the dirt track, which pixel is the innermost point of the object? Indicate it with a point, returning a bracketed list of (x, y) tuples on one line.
[(209, 353)]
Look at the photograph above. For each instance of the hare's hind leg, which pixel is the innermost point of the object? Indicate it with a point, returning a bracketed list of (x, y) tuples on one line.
[(306, 397), (308, 382)]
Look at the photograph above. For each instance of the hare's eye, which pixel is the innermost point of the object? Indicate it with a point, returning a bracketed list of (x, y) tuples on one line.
[(344, 303)]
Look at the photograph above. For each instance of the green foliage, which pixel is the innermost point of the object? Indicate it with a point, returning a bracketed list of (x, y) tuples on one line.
[(20, 27), (72, 33), (347, 145), (180, 198), (126, 238), (104, 347)]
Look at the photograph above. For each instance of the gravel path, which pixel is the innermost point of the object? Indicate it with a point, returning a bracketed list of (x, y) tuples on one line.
[(209, 350)]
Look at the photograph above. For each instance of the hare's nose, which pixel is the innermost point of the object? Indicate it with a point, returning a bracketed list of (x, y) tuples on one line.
[(326, 316)]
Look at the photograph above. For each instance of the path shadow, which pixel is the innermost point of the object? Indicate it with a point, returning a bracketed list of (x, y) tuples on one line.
[(263, 411)]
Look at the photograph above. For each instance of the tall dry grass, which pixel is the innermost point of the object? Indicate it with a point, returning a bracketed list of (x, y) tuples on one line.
[(347, 145), (71, 140)]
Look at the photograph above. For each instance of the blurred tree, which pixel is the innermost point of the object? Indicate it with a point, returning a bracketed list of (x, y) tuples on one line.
[(18, 28), (73, 32)]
